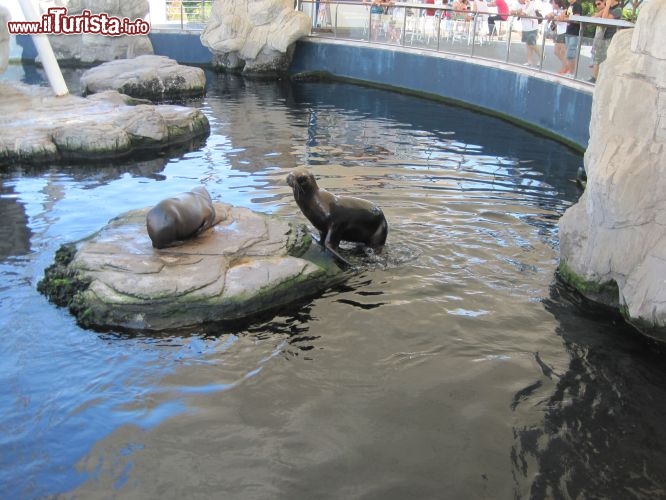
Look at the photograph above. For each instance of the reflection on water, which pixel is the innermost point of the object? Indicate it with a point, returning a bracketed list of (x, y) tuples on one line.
[(600, 435), (14, 231), (453, 366)]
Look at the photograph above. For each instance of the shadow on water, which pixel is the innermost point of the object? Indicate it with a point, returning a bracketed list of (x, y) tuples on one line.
[(288, 324), (602, 433)]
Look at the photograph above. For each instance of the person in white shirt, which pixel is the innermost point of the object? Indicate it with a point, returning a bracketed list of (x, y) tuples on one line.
[(480, 10), (526, 10), (558, 8)]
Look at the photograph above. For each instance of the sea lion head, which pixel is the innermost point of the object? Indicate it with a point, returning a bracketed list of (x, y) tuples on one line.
[(302, 183)]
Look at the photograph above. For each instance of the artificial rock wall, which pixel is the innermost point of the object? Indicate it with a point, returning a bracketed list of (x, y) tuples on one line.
[(254, 36), (616, 233), (4, 39)]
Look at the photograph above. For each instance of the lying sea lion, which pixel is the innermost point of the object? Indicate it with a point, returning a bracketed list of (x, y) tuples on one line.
[(180, 217), (338, 218)]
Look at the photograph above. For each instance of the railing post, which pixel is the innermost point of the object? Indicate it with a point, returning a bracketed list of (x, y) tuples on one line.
[(508, 42), (544, 26), (335, 23), (580, 43), (476, 15)]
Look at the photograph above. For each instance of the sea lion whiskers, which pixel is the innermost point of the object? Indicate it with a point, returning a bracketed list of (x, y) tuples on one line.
[(295, 184)]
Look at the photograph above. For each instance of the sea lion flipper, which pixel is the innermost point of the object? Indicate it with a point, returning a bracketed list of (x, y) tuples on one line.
[(332, 246), (344, 263)]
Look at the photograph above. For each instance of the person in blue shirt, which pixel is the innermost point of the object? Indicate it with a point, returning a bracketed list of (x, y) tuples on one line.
[(571, 39)]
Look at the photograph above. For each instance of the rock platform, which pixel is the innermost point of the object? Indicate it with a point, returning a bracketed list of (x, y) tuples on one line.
[(157, 78), (248, 263), (37, 127)]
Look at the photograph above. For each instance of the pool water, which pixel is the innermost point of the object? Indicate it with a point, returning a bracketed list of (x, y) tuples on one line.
[(453, 367)]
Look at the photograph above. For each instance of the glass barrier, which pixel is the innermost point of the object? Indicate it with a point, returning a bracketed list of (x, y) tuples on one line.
[(181, 14), (530, 42), (534, 43)]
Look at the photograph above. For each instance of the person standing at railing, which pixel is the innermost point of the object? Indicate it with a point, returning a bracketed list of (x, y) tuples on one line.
[(461, 10), (446, 12), (378, 9), (599, 31), (571, 39), (611, 10), (397, 18), (502, 14), (480, 10), (530, 29), (559, 48)]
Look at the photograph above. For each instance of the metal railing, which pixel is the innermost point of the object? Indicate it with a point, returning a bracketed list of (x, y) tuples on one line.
[(432, 27), (441, 29)]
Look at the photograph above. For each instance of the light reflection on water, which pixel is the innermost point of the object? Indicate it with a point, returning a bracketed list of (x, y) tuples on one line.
[(451, 367)]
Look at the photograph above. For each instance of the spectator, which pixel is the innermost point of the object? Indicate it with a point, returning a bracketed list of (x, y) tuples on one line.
[(502, 13), (378, 8), (559, 7), (446, 13), (396, 23), (571, 39), (460, 10), (599, 31), (611, 10), (480, 11), (530, 28)]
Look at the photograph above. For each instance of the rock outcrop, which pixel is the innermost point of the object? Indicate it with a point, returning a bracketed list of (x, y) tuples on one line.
[(156, 78), (4, 39), (613, 241), (90, 49), (246, 264), (36, 127), (254, 36)]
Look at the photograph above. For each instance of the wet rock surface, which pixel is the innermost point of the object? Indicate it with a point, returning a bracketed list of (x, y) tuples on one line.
[(36, 127), (247, 264), (157, 78)]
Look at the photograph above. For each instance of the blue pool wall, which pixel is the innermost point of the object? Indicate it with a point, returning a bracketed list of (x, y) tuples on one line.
[(537, 100), (540, 101)]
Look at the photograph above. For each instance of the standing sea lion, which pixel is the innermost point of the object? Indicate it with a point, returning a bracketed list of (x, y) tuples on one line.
[(338, 218), (180, 217)]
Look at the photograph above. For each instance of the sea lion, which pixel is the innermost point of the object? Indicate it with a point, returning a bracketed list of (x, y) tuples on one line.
[(180, 217), (338, 218)]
